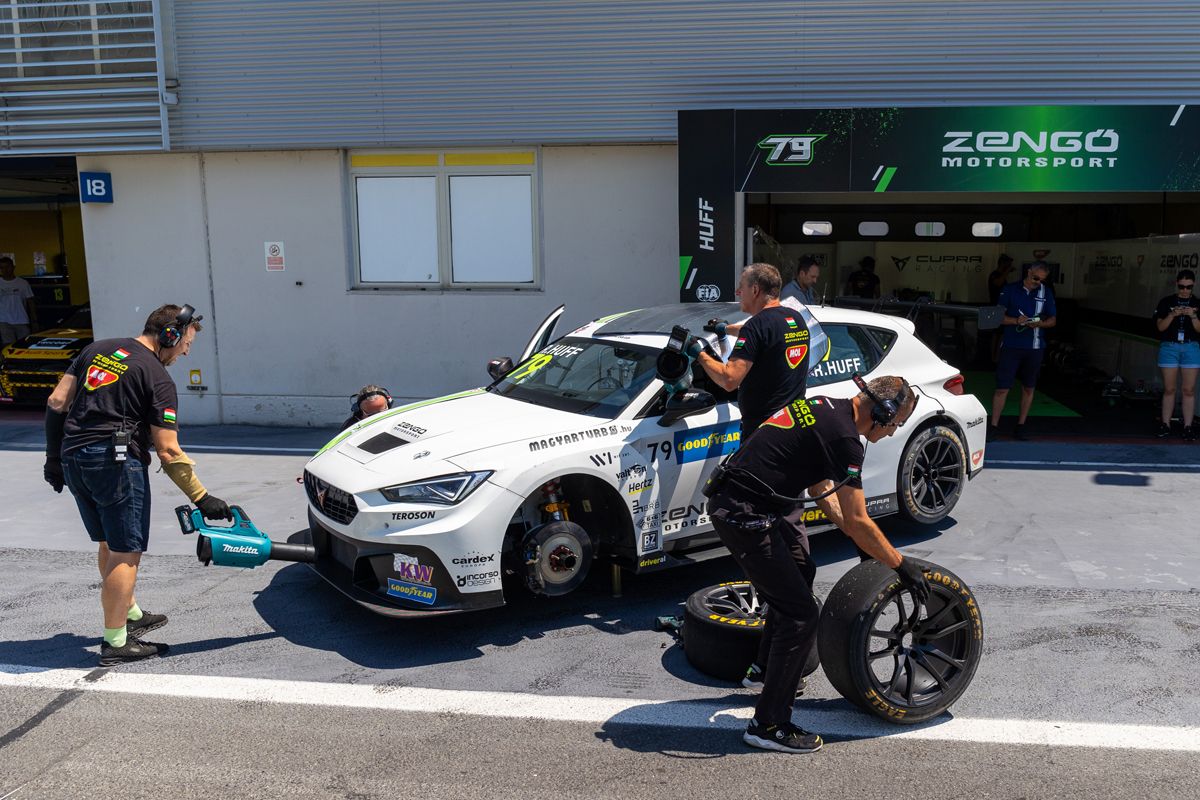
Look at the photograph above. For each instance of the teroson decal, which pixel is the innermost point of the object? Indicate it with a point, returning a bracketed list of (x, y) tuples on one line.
[(426, 595), (410, 569), (572, 438), (402, 515), (710, 442), (790, 150)]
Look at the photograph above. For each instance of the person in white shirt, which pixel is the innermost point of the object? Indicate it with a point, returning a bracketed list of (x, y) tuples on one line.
[(18, 314)]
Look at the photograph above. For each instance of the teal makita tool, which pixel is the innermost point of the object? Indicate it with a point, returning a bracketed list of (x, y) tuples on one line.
[(241, 544)]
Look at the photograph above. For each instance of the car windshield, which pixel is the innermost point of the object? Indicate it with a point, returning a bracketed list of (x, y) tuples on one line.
[(585, 376), (80, 319)]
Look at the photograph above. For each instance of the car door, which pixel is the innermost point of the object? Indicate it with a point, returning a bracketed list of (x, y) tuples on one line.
[(543, 335)]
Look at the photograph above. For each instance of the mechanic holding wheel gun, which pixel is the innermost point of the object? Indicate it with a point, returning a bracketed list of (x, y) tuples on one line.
[(807, 444), (114, 400)]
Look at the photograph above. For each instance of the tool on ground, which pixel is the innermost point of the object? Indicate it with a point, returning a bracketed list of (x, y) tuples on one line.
[(241, 544)]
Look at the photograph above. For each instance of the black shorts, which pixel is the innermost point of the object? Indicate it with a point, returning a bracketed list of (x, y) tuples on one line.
[(1016, 364), (113, 497)]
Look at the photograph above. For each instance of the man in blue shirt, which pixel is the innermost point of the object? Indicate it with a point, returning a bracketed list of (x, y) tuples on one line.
[(1028, 311), (803, 285)]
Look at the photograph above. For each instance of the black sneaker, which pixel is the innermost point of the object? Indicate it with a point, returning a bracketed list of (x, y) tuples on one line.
[(993, 432), (784, 738), (756, 675), (134, 650), (1164, 430), (148, 622), (1189, 433), (1020, 434)]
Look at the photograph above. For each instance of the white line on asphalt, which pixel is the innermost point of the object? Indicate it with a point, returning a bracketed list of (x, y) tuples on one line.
[(1103, 464), (1175, 118), (695, 714)]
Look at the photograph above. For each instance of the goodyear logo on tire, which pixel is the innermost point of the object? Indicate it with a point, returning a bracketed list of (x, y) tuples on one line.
[(711, 442)]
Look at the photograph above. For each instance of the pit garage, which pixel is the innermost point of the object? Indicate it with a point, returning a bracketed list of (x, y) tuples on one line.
[(1106, 196)]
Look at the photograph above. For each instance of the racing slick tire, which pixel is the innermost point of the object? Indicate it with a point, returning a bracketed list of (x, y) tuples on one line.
[(932, 473), (897, 665), (556, 557), (722, 628)]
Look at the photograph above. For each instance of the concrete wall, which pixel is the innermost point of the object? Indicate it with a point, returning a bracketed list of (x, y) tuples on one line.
[(289, 347)]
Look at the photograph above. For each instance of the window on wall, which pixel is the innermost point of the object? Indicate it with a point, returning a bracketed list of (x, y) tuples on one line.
[(456, 220)]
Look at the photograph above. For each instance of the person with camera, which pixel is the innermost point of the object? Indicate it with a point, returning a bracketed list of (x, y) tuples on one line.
[(1029, 309), (114, 403), (369, 401), (807, 445), (769, 363), (1179, 351)]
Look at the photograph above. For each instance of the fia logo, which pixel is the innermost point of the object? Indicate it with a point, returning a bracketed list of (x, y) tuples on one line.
[(901, 263), (708, 293), (792, 151)]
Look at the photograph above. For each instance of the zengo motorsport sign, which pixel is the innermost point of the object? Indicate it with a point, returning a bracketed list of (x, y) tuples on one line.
[(992, 149)]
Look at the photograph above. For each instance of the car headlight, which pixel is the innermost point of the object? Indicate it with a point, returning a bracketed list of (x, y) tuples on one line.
[(445, 490)]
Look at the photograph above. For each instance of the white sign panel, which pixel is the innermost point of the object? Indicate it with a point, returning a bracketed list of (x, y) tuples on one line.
[(273, 252)]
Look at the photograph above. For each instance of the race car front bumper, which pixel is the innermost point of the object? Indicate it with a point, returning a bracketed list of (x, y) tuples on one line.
[(396, 580)]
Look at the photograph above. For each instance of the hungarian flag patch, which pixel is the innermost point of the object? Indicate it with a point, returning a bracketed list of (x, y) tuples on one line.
[(121, 354), (790, 322), (741, 342), (168, 415), (854, 470), (99, 376), (795, 355), (781, 419)]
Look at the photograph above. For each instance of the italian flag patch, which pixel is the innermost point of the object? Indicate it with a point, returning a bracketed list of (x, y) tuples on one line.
[(168, 415), (121, 354)]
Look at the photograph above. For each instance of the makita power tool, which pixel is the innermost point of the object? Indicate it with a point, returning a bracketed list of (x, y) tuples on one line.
[(240, 544)]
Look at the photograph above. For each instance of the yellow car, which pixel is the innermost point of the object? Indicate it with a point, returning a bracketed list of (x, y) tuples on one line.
[(31, 367)]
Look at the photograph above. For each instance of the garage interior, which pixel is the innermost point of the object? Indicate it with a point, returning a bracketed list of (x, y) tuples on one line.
[(1112, 256)]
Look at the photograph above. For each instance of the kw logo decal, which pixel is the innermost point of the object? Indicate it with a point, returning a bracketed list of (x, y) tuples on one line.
[(795, 355)]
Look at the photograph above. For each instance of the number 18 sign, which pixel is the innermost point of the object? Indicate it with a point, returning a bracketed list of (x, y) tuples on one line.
[(95, 187)]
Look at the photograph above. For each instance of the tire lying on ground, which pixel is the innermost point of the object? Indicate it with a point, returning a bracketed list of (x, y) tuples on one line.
[(895, 667), (722, 628)]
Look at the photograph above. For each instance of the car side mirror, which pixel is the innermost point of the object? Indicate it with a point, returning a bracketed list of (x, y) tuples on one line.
[(499, 367), (685, 404)]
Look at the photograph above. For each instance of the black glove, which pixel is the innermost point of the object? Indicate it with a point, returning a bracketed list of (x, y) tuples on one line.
[(913, 579), (695, 347), (716, 325), (52, 472), (214, 507)]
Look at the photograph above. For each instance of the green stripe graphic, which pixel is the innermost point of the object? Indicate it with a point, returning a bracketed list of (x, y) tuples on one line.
[(885, 180)]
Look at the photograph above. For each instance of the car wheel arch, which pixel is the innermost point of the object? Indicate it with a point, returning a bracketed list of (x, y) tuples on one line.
[(596, 505)]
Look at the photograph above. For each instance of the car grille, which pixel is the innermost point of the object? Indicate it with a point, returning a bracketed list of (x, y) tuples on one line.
[(339, 506)]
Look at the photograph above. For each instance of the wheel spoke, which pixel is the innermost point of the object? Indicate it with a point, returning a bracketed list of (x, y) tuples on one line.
[(908, 668), (946, 631), (937, 618), (897, 674), (878, 654), (937, 676), (919, 491), (891, 635), (940, 656)]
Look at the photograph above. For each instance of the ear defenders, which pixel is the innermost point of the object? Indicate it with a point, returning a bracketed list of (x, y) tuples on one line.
[(883, 411), (172, 333), (357, 400)]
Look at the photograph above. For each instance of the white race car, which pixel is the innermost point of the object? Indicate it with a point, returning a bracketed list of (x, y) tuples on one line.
[(580, 454)]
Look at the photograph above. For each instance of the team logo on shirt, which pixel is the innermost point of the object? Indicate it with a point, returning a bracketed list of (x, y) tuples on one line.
[(781, 419), (168, 415), (795, 355), (741, 342), (854, 470), (99, 376), (791, 323), (121, 354)]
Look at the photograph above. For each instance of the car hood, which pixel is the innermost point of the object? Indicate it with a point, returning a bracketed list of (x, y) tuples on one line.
[(56, 343), (407, 443)]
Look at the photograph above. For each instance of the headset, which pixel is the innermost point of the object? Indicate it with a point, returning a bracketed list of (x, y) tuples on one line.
[(356, 400), (172, 333), (884, 411)]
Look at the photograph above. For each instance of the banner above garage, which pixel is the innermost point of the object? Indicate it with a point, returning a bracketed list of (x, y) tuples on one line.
[(973, 149)]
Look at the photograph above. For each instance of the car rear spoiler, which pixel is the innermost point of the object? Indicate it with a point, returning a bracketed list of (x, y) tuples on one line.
[(987, 317)]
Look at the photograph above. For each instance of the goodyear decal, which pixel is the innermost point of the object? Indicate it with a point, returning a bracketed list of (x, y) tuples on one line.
[(426, 595), (709, 442)]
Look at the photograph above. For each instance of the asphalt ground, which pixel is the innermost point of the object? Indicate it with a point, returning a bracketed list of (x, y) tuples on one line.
[(1082, 559)]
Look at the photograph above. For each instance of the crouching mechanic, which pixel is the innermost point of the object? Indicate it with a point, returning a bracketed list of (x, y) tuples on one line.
[(115, 399), (805, 445)]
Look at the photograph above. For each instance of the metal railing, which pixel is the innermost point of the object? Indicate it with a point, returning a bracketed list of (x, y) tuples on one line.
[(81, 77)]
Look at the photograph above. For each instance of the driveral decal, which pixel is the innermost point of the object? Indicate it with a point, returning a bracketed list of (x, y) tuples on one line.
[(408, 591), (710, 442)]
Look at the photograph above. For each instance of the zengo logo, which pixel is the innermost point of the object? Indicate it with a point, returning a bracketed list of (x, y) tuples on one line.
[(791, 151), (1101, 140)]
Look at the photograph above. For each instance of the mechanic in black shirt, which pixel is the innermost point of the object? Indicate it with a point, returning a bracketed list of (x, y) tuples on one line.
[(769, 362), (806, 445), (863, 282), (113, 402), (1179, 351)]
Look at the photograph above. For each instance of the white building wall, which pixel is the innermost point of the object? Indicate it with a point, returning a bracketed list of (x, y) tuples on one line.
[(289, 347)]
